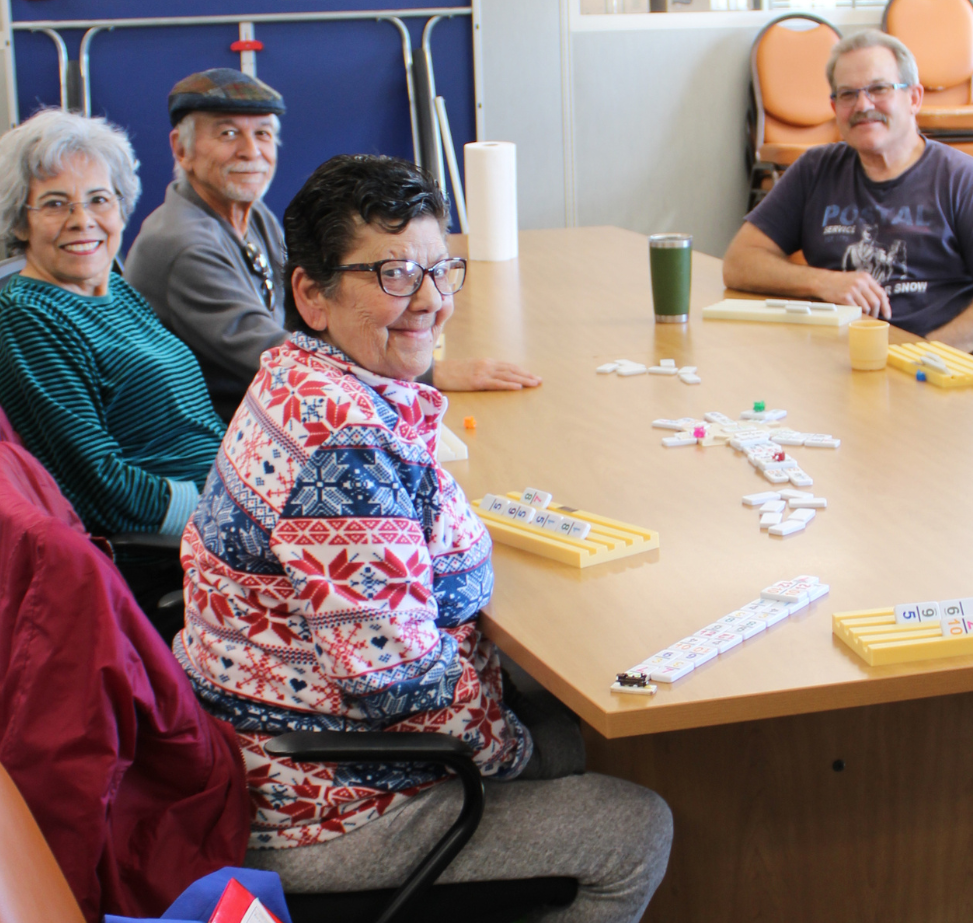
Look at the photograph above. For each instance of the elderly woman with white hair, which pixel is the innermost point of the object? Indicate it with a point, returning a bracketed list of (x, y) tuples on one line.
[(108, 400)]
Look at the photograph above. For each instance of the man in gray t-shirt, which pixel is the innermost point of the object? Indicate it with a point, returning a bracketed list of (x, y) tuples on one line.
[(884, 219), (210, 259)]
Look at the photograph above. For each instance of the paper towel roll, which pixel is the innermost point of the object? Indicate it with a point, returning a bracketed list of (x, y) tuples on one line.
[(491, 199)]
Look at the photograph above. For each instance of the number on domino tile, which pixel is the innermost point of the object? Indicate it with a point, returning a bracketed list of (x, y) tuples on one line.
[(531, 513), (956, 617), (924, 613), (537, 498)]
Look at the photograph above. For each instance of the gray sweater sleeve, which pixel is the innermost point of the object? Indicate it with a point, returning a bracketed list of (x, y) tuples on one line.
[(220, 315)]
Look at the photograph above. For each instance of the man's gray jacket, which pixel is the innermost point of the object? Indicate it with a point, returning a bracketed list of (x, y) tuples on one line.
[(192, 268)]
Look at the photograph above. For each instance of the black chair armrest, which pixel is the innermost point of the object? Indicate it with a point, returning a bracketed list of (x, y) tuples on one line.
[(145, 540), (400, 747)]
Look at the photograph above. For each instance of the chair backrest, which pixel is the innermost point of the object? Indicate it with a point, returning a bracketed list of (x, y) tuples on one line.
[(9, 267), (791, 92), (940, 34), (137, 790), (32, 886)]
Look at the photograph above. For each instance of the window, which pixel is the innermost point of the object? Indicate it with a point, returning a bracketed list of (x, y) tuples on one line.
[(600, 7)]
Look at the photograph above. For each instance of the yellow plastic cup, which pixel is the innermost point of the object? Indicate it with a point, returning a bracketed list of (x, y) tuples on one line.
[(868, 344)]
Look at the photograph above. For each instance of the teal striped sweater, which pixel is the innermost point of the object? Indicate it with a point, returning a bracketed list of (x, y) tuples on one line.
[(109, 401)]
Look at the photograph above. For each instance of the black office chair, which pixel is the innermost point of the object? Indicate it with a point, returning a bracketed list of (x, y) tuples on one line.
[(418, 898)]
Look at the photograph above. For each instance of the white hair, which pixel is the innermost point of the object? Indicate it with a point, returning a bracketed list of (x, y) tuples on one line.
[(871, 38), (186, 137), (38, 148)]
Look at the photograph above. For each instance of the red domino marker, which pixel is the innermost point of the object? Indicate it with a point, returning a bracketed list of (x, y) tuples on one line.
[(251, 44)]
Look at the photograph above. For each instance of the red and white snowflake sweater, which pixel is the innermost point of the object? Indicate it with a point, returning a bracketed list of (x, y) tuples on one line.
[(334, 572)]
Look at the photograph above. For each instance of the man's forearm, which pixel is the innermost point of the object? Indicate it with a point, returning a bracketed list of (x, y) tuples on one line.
[(753, 269), (958, 332)]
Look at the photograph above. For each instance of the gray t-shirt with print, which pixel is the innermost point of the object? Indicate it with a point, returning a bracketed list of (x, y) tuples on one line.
[(913, 234)]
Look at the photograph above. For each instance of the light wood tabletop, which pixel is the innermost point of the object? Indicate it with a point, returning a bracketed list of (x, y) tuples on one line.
[(898, 527)]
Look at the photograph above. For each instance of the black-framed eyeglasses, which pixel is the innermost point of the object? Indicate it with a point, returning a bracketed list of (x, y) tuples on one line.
[(260, 267), (876, 92), (405, 277)]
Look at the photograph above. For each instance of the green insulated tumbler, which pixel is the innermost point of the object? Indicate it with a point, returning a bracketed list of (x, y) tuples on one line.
[(670, 262)]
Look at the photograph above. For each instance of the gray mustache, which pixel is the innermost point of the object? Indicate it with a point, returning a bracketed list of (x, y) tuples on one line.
[(872, 115)]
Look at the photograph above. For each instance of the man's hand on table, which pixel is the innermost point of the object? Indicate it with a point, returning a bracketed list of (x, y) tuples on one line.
[(481, 375), (754, 263), (855, 288)]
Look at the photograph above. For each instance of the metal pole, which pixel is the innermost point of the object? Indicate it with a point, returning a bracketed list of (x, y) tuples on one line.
[(440, 171), (85, 69), (9, 68), (248, 59), (454, 176), (410, 85), (62, 61), (144, 22)]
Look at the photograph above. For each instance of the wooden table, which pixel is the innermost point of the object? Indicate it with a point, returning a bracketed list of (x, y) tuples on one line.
[(786, 808)]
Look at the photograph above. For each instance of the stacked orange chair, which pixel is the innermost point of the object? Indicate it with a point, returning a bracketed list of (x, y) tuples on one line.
[(940, 34), (790, 97)]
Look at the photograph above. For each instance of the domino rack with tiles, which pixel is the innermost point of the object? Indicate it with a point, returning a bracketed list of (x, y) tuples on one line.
[(782, 311), (943, 366), (776, 603), (528, 520), (907, 632)]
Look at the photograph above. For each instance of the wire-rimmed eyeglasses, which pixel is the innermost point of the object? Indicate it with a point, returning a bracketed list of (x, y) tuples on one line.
[(101, 203), (405, 277), (876, 92)]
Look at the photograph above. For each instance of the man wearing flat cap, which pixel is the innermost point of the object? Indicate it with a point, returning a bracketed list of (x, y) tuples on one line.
[(210, 259)]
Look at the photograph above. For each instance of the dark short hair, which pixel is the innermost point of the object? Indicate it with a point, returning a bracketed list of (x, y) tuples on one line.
[(321, 223)]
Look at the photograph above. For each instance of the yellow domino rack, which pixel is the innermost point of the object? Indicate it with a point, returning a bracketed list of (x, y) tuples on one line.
[(908, 358), (608, 539), (875, 637)]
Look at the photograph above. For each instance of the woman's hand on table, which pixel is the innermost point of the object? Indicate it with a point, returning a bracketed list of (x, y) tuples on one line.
[(481, 375)]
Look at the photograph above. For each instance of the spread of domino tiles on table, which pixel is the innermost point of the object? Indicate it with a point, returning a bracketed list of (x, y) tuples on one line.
[(781, 311), (531, 522), (625, 368), (760, 437), (943, 366), (776, 603), (908, 632)]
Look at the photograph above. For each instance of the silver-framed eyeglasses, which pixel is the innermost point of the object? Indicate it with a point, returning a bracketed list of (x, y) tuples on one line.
[(54, 209), (876, 92), (405, 277)]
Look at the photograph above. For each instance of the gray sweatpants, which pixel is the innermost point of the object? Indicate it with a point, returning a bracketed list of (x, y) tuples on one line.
[(612, 835)]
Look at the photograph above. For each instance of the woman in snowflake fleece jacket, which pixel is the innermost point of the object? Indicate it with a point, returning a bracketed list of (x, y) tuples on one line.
[(334, 572)]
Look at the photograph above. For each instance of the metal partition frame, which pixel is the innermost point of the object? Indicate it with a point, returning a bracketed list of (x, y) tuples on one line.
[(427, 152)]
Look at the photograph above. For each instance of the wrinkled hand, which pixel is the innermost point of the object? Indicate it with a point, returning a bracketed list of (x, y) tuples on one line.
[(481, 375), (857, 288)]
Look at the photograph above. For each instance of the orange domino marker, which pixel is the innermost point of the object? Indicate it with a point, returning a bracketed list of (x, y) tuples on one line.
[(469, 422)]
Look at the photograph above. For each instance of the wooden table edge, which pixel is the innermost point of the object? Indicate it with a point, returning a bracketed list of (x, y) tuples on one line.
[(754, 707)]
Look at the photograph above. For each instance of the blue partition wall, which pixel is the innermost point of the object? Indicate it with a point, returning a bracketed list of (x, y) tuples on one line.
[(344, 82)]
